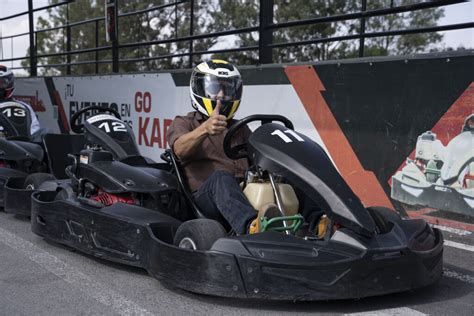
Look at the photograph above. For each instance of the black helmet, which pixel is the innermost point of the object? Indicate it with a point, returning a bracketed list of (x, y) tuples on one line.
[(7, 83), (216, 80)]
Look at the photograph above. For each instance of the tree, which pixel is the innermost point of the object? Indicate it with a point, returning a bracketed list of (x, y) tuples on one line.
[(217, 15)]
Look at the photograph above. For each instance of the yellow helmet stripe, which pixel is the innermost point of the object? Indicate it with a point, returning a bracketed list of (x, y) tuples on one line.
[(208, 105), (234, 108), (219, 61)]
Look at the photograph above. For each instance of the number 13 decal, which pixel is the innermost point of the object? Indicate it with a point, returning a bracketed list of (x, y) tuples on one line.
[(16, 112), (285, 138)]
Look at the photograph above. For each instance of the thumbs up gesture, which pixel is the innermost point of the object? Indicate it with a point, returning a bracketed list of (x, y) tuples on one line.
[(217, 123)]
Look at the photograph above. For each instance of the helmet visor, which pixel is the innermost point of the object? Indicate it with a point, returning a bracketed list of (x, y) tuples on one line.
[(6, 81), (216, 88)]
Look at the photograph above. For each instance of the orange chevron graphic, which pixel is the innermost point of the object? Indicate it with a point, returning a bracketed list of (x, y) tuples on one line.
[(365, 185)]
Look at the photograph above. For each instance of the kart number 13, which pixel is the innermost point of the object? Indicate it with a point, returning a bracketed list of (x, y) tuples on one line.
[(16, 112), (285, 138)]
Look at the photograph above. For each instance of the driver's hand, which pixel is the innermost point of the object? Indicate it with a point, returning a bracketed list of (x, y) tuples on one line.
[(216, 123)]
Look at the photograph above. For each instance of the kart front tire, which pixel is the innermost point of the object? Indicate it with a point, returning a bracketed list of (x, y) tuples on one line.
[(34, 180), (198, 234)]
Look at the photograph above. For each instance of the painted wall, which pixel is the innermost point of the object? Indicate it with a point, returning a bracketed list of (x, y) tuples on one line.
[(367, 113)]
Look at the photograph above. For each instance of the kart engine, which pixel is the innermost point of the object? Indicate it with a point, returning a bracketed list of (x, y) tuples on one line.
[(108, 199)]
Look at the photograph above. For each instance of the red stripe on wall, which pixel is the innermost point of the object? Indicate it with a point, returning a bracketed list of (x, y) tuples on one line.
[(365, 185), (62, 112)]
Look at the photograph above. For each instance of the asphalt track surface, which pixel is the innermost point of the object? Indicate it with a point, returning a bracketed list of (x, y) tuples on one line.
[(42, 278)]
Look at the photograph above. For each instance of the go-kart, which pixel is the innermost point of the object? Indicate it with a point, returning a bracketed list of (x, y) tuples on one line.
[(440, 177), (25, 163), (117, 140), (361, 252)]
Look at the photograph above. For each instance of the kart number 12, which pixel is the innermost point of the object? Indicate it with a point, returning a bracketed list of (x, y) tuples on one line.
[(285, 138), (116, 127)]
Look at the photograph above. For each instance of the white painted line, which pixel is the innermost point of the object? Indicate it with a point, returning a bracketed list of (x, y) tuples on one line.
[(118, 303), (401, 311), (458, 245), (457, 231), (461, 277)]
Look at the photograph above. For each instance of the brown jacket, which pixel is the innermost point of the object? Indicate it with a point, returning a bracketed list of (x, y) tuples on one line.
[(210, 155)]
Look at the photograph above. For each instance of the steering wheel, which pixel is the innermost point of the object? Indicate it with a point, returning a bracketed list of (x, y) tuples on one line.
[(240, 151), (79, 128)]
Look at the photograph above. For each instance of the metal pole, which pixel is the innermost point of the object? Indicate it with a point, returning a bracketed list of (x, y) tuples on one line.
[(362, 30), (33, 68), (265, 33), (96, 45), (191, 31), (115, 48), (68, 41)]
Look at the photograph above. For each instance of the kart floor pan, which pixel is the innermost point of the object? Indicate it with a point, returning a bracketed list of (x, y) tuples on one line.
[(141, 237)]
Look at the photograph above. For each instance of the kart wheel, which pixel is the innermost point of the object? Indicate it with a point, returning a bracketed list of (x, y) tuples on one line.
[(384, 218), (33, 181), (198, 234)]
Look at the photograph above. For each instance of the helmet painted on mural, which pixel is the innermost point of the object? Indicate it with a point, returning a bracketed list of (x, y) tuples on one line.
[(216, 80), (468, 125), (7, 83)]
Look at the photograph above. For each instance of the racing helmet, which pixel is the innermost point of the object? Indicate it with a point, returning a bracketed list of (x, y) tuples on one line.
[(216, 80), (468, 125), (7, 83)]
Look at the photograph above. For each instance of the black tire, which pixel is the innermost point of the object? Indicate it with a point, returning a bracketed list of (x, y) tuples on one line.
[(198, 234), (34, 180), (384, 218)]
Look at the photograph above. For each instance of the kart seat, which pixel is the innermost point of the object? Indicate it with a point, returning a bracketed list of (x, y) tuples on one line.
[(260, 194), (57, 147)]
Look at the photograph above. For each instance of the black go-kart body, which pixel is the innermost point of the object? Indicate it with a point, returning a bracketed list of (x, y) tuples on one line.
[(21, 156), (367, 252)]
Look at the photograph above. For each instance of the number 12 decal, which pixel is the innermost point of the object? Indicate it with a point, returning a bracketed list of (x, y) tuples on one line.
[(285, 138), (116, 127)]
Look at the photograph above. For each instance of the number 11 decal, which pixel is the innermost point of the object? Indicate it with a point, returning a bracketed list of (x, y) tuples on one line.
[(285, 138)]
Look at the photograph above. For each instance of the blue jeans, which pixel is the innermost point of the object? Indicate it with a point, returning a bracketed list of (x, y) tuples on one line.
[(220, 196)]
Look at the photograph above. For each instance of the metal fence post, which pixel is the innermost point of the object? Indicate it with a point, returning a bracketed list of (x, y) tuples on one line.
[(115, 42), (33, 68), (68, 41), (191, 31), (362, 30), (96, 46), (265, 36)]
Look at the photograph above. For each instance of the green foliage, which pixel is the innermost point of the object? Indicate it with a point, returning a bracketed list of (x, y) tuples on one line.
[(218, 15)]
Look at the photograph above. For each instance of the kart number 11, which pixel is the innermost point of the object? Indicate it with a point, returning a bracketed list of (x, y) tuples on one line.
[(285, 138)]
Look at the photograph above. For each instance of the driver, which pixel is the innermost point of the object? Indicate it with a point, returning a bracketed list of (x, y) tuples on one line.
[(7, 85), (197, 141)]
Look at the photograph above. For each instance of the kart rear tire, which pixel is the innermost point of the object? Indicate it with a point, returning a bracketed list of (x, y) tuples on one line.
[(198, 234), (384, 218), (34, 180)]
